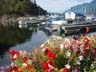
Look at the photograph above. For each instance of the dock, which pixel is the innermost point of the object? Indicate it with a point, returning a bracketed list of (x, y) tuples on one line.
[(79, 27), (27, 22)]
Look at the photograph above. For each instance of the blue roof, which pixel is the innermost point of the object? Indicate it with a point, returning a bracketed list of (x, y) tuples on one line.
[(79, 14)]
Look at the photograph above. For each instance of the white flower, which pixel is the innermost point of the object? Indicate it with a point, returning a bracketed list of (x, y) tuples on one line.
[(61, 46), (12, 64), (20, 51), (81, 58), (92, 65), (29, 62), (24, 64), (85, 70), (68, 54), (67, 40), (48, 41), (43, 49), (67, 66), (67, 43), (42, 45), (25, 52), (15, 56), (78, 62), (50, 66)]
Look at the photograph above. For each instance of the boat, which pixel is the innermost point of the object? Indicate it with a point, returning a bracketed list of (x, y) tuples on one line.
[(26, 22), (78, 27), (56, 24)]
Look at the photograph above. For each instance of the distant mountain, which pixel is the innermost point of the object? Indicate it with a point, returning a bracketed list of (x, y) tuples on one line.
[(86, 8)]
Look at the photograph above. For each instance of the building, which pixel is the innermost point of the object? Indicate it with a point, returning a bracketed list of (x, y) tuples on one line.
[(69, 15)]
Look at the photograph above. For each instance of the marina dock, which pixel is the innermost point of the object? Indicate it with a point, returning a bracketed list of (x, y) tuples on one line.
[(73, 28)]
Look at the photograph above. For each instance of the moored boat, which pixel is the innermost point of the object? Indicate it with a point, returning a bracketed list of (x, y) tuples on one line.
[(78, 27)]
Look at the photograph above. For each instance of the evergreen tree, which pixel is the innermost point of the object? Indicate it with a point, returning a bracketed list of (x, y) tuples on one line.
[(20, 7)]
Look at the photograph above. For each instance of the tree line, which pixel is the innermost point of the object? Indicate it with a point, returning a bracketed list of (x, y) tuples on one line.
[(20, 8)]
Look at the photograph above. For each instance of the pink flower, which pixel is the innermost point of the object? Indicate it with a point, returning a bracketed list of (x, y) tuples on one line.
[(84, 54), (94, 51), (86, 39)]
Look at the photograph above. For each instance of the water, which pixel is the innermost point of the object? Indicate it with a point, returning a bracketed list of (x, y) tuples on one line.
[(38, 37), (36, 40)]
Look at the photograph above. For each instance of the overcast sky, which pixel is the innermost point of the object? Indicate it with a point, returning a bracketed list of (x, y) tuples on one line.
[(59, 5)]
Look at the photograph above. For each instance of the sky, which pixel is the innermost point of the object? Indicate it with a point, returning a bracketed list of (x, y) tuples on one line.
[(59, 5)]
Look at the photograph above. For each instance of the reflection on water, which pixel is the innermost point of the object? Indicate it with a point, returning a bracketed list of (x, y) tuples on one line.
[(10, 36), (37, 38)]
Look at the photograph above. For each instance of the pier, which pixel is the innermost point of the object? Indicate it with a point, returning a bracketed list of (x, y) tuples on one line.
[(27, 22), (73, 28)]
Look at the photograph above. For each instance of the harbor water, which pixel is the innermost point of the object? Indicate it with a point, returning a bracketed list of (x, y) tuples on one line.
[(38, 37)]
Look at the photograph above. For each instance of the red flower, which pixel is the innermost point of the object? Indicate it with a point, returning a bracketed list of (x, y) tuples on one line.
[(14, 55), (50, 55), (65, 70), (45, 66), (86, 43), (87, 46), (29, 67), (25, 59), (47, 52), (48, 66), (78, 52), (13, 68)]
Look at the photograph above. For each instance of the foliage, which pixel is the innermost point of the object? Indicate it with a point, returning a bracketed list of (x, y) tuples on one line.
[(66, 55), (19, 8)]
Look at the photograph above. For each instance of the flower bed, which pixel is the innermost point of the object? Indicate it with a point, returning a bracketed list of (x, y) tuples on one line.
[(57, 55)]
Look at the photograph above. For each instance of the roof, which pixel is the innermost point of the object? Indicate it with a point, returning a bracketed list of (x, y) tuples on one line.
[(79, 14), (76, 13)]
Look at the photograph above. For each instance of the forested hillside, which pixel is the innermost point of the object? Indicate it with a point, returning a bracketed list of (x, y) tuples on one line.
[(20, 8)]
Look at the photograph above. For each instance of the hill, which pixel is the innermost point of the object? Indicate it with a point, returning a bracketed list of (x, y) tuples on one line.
[(20, 8), (86, 8)]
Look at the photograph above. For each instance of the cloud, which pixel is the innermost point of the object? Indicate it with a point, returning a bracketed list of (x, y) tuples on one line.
[(59, 5)]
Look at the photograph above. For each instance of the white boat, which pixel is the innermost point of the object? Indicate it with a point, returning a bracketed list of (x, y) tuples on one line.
[(56, 24)]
